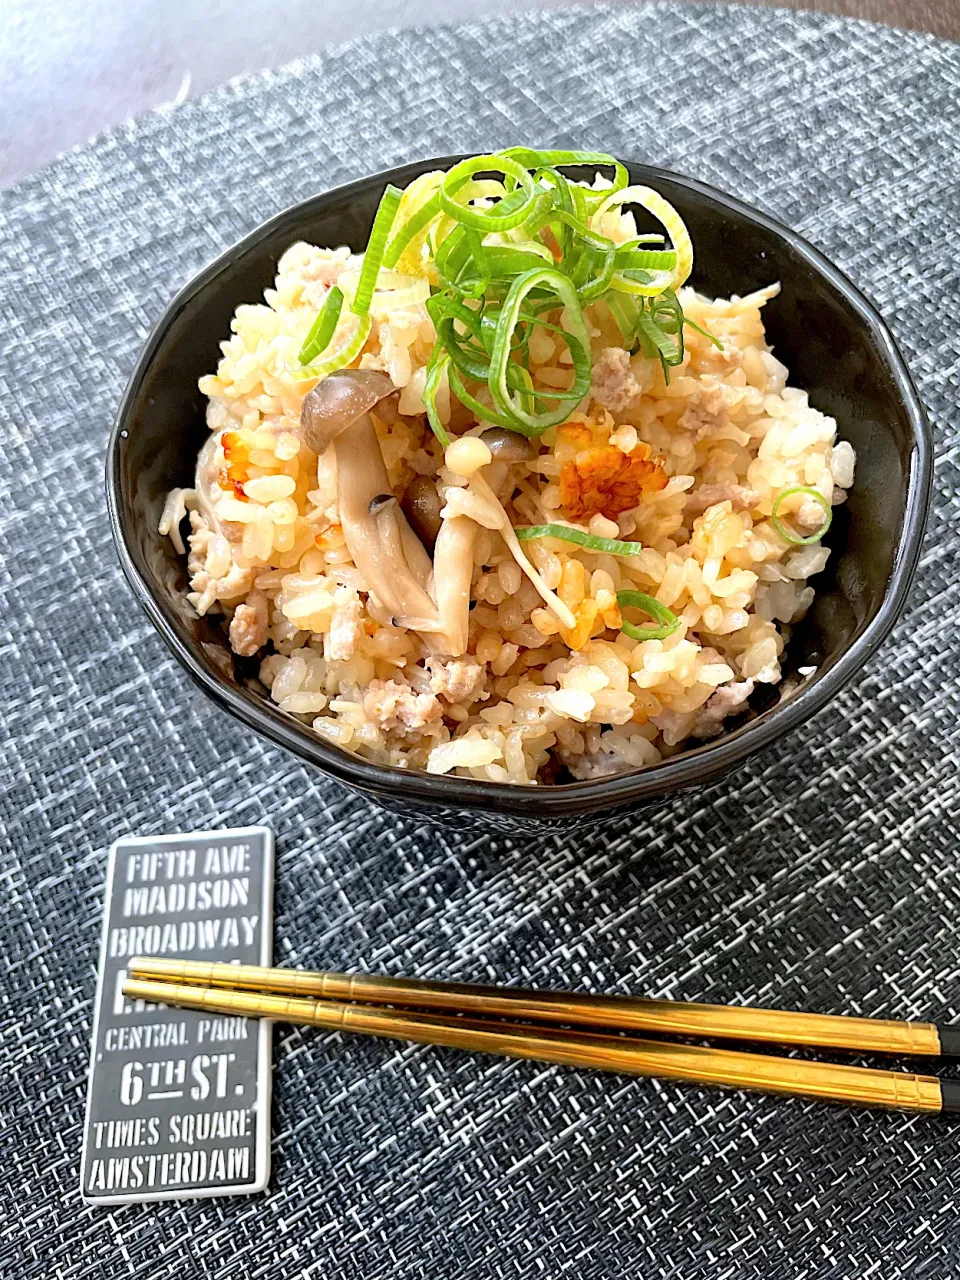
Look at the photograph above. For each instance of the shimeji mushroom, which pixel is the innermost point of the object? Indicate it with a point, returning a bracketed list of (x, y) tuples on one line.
[(393, 561), (395, 566)]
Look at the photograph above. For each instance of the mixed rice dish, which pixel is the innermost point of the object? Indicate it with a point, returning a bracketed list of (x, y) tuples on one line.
[(503, 497)]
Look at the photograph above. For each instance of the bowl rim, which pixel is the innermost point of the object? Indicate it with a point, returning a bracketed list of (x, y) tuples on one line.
[(695, 766)]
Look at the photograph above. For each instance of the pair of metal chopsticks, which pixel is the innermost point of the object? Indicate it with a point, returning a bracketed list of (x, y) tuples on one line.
[(467, 1020)]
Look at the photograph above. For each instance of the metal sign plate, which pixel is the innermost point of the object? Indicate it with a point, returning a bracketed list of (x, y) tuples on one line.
[(178, 1101)]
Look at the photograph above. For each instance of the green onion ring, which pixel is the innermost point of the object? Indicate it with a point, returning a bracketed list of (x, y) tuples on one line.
[(323, 328), (410, 228), (666, 215), (444, 311), (647, 259), (626, 313), (648, 237), (376, 245), (486, 219), (578, 344), (438, 363), (600, 282), (650, 287), (565, 201), (592, 541), (482, 411), (531, 158), (786, 533), (669, 350), (344, 356), (579, 225), (669, 622)]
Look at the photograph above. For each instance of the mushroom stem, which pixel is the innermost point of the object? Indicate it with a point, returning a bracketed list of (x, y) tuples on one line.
[(418, 558), (417, 624), (391, 559), (453, 571), (549, 598), (375, 542)]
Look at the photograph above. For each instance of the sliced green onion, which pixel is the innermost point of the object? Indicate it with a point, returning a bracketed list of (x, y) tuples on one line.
[(412, 227), (664, 346), (647, 259), (564, 201), (785, 532), (495, 219), (577, 340), (600, 283), (646, 284), (626, 312), (531, 158), (323, 328), (705, 332), (669, 622), (438, 364), (665, 214), (373, 257), (648, 237), (477, 286), (340, 358), (483, 412), (471, 362), (577, 224), (500, 277), (592, 541), (503, 262)]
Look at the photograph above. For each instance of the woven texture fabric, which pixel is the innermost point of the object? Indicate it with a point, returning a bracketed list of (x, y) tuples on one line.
[(824, 876)]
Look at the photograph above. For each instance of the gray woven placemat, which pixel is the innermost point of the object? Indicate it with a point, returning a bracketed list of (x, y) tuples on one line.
[(825, 876)]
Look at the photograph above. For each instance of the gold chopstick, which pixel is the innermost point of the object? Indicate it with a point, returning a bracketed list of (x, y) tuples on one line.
[(627, 1013), (865, 1086)]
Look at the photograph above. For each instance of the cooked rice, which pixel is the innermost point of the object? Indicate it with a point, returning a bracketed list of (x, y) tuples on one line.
[(528, 698)]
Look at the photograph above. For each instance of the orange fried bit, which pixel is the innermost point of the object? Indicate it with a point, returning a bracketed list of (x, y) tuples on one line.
[(586, 616), (330, 538), (234, 473), (603, 480)]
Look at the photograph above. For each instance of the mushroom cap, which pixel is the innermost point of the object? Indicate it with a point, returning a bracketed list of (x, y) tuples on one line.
[(422, 505), (509, 446), (338, 401)]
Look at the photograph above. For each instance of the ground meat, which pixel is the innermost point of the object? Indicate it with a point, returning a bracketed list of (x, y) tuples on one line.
[(346, 631), (706, 414), (708, 495), (325, 265), (727, 699), (810, 516), (236, 581), (591, 764), (320, 272), (248, 627), (397, 706), (199, 541), (457, 680), (674, 725), (613, 384)]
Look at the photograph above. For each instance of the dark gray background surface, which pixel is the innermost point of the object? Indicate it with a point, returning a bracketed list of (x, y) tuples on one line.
[(825, 876), (70, 68)]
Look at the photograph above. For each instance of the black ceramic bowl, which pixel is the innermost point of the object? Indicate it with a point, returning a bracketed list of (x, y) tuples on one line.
[(836, 347)]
